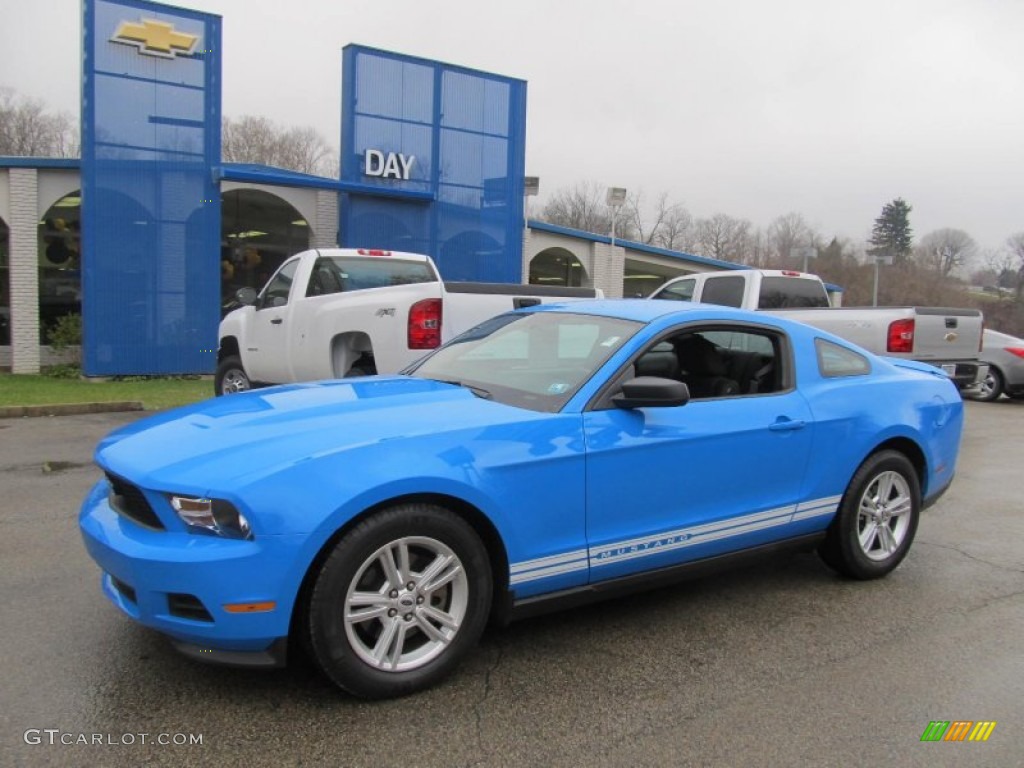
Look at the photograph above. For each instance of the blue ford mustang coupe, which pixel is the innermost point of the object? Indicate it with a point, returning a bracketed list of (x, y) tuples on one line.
[(546, 457)]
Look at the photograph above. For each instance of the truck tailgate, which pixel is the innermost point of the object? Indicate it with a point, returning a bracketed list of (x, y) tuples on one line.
[(942, 333)]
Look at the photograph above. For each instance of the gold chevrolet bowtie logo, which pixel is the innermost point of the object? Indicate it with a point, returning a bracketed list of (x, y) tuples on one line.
[(155, 38)]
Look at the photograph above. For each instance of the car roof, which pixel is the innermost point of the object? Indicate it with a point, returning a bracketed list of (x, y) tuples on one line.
[(652, 311), (377, 253), (644, 310)]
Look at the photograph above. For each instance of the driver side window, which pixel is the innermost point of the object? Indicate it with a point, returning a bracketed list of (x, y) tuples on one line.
[(280, 285), (718, 362)]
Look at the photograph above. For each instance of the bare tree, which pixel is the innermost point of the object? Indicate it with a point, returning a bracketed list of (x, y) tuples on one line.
[(303, 149), (945, 250), (678, 232), (1015, 246), (250, 139), (787, 233), (582, 207), (760, 250), (643, 227), (723, 237), (28, 130), (665, 224)]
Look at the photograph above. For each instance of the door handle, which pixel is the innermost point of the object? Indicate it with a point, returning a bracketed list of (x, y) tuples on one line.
[(787, 425), (277, 321)]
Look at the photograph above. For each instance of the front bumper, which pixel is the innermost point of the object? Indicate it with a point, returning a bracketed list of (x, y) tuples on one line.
[(182, 584)]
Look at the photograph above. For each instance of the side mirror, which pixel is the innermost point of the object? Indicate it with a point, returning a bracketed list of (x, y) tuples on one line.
[(246, 296), (652, 392)]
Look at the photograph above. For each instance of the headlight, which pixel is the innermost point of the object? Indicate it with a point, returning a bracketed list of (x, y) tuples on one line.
[(212, 516)]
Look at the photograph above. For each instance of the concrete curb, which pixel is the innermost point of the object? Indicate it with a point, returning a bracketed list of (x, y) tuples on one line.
[(68, 409)]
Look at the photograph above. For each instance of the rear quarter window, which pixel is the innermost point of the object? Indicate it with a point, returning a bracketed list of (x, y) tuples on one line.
[(726, 291), (791, 293), (836, 361)]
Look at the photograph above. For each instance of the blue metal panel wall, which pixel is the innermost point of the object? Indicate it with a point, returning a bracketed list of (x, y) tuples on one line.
[(467, 132), (150, 204)]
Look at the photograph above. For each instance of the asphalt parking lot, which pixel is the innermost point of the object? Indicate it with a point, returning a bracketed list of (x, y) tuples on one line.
[(783, 664)]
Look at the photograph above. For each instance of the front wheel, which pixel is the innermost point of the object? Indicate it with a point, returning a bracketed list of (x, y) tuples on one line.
[(991, 386), (400, 601), (877, 518), (231, 377)]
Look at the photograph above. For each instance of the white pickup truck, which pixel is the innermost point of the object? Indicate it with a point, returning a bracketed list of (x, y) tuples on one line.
[(336, 312), (947, 338)]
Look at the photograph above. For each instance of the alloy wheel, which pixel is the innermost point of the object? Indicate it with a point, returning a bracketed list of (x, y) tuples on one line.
[(883, 517), (406, 603)]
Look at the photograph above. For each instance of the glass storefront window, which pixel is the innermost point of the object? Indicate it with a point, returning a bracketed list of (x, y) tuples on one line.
[(557, 267), (258, 232), (5, 285), (60, 265)]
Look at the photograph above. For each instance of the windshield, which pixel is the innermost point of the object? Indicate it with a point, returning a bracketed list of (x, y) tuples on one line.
[(533, 360)]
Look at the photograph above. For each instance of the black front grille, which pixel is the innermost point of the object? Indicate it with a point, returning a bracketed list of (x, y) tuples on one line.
[(130, 502), (124, 589), (187, 607)]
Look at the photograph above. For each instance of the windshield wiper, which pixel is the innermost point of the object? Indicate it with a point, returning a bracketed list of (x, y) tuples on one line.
[(478, 391)]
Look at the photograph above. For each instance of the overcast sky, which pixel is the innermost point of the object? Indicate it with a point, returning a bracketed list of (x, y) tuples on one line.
[(749, 107)]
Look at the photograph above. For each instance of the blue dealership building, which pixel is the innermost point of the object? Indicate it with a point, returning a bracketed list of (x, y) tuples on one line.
[(150, 231)]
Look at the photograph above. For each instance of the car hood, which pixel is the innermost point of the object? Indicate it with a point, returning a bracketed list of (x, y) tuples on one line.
[(243, 437)]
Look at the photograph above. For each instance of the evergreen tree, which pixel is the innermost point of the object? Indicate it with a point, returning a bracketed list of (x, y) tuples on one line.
[(892, 235)]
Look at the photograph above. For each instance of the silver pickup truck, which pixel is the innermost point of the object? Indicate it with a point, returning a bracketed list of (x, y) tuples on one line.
[(947, 338)]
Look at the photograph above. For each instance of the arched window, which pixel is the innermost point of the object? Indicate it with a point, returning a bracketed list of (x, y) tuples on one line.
[(60, 263), (259, 230), (5, 285), (557, 266)]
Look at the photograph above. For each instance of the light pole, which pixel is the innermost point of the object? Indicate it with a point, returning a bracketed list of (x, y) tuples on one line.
[(615, 198), (531, 188), (879, 259), (804, 252)]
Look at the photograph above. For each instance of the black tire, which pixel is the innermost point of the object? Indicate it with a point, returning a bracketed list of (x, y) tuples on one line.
[(365, 365), (861, 518), (392, 652), (231, 377), (992, 386)]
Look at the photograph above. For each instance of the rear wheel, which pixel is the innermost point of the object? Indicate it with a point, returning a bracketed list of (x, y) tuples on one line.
[(877, 518), (400, 601), (364, 366), (231, 377), (991, 386)]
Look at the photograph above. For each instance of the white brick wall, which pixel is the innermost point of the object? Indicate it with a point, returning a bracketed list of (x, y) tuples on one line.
[(24, 236), (325, 228), (609, 268), (526, 257)]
